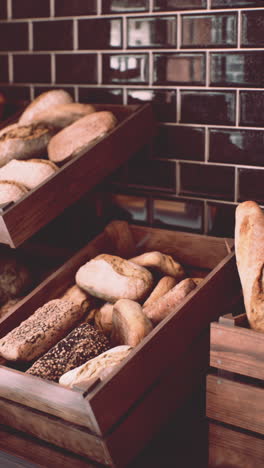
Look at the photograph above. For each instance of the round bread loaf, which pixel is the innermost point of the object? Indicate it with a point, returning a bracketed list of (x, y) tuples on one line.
[(78, 136), (24, 142), (110, 278), (44, 101), (11, 191), (29, 173), (64, 115), (129, 323)]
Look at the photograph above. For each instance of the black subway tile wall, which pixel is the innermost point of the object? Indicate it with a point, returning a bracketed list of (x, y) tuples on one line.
[(201, 65)]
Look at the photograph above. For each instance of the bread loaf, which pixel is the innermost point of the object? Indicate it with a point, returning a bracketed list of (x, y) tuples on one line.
[(249, 249), (29, 173), (40, 331), (79, 297), (110, 278), (163, 263), (82, 344), (78, 136), (44, 101), (11, 191), (164, 285), (103, 318), (8, 127), (129, 324), (15, 277), (63, 115)]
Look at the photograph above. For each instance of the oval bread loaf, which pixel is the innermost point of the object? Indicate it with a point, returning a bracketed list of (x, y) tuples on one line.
[(44, 101), (29, 173), (163, 263), (103, 318), (129, 324), (64, 115), (11, 191), (164, 285), (110, 278), (78, 136)]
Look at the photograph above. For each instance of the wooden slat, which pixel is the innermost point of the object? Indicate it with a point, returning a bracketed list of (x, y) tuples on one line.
[(237, 349), (237, 403)]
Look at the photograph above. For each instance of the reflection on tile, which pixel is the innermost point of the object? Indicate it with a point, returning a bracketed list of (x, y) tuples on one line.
[(164, 102), (124, 68), (75, 7), (186, 69), (237, 69), (10, 32), (252, 108), (207, 181), (30, 9), (53, 35), (185, 215), (221, 219), (236, 146), (129, 207), (213, 107), (235, 3), (76, 68), (179, 142), (165, 5), (43, 89), (32, 68), (251, 185), (152, 31), (252, 28), (3, 9), (101, 95), (209, 30), (126, 6), (110, 33), (4, 74)]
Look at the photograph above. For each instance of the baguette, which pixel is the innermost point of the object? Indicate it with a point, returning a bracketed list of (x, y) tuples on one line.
[(249, 249), (29, 173), (44, 101)]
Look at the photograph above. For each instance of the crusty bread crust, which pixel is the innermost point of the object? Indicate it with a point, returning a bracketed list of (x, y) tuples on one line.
[(54, 97), (11, 191), (30, 173), (63, 115)]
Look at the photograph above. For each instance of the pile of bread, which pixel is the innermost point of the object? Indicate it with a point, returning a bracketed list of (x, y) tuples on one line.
[(113, 305), (52, 130)]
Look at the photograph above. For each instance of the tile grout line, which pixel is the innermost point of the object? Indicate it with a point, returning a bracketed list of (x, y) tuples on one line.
[(236, 187), (206, 145), (237, 110), (75, 27), (99, 7), (179, 30), (53, 69), (178, 177), (10, 68), (99, 68), (205, 217), (30, 36), (52, 8), (124, 33), (239, 30), (9, 9)]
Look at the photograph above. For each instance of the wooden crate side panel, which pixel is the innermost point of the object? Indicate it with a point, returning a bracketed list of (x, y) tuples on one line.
[(235, 403), (237, 349)]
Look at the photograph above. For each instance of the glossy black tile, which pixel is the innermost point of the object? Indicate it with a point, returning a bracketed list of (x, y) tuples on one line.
[(53, 35), (125, 6), (179, 142), (3, 9), (110, 35), (15, 94), (4, 74), (171, 5), (101, 95), (236, 3), (9, 34), (129, 207), (42, 89), (30, 9), (76, 68), (186, 215), (221, 219), (236, 146), (252, 108), (251, 185), (209, 30), (208, 107), (164, 102), (75, 7), (207, 181), (32, 68), (152, 31), (125, 68), (252, 28), (245, 69), (179, 68)]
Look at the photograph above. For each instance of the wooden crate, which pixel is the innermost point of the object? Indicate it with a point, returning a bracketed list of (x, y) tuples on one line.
[(112, 420), (135, 128), (235, 390)]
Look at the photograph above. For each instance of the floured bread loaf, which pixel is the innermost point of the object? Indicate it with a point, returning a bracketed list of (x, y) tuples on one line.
[(11, 191), (40, 331), (24, 142), (129, 324), (110, 278), (96, 367), (64, 115), (29, 173), (78, 136), (170, 301), (82, 344), (44, 101), (164, 285), (249, 248), (163, 263)]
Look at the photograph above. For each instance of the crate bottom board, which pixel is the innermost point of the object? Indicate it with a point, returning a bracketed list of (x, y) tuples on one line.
[(136, 428)]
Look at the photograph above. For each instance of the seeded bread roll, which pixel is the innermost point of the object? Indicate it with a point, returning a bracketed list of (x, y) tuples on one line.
[(11, 191), (44, 101), (64, 115), (40, 331), (78, 136), (82, 344), (29, 173), (110, 278), (24, 142), (129, 323)]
